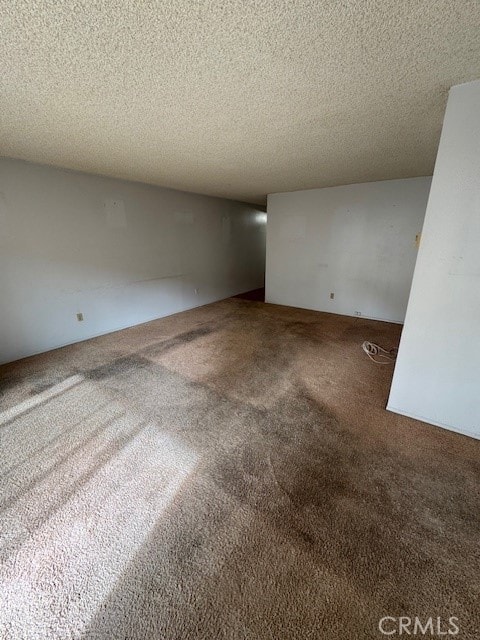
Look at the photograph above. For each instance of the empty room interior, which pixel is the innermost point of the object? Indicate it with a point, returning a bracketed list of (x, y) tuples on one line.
[(239, 319)]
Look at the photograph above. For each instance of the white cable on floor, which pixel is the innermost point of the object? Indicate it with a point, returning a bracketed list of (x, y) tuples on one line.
[(376, 353)]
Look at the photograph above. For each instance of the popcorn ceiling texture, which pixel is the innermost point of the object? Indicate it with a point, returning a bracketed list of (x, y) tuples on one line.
[(234, 99)]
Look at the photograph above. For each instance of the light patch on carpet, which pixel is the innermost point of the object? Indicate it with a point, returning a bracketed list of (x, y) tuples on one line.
[(54, 584), (39, 398)]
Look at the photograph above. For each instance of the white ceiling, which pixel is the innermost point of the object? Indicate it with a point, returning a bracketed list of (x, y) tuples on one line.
[(235, 98)]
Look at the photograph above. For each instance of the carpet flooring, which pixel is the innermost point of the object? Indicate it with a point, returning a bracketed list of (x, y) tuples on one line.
[(229, 472)]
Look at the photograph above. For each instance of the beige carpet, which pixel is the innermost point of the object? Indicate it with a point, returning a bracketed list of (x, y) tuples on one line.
[(228, 472)]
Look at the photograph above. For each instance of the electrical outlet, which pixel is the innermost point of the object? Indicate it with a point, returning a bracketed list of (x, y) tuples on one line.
[(332, 296), (80, 317), (196, 292), (358, 313)]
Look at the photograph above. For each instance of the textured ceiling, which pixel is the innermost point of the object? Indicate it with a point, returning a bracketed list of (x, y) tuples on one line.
[(233, 98)]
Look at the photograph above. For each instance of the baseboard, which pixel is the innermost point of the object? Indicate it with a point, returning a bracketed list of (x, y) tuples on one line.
[(335, 313), (448, 427), (113, 330)]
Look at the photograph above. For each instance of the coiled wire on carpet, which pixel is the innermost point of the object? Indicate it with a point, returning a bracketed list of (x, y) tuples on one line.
[(379, 355)]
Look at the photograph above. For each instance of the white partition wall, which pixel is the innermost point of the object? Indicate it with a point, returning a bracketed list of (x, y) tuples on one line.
[(437, 375), (348, 250)]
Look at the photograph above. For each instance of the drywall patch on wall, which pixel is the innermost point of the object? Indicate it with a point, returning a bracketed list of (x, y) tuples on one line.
[(3, 218), (119, 260), (185, 217), (356, 241), (294, 229), (226, 230), (116, 216)]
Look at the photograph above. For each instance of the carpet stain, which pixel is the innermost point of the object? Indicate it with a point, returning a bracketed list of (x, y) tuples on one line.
[(304, 509)]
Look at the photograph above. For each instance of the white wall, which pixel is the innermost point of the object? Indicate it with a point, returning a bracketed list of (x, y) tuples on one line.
[(121, 253), (437, 375), (355, 241)]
